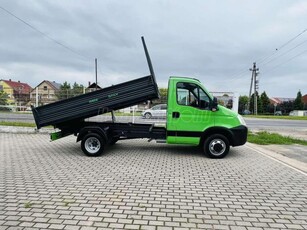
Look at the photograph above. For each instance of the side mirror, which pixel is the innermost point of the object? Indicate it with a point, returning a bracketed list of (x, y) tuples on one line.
[(214, 104)]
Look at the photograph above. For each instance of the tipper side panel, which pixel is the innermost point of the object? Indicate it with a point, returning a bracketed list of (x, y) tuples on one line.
[(98, 102)]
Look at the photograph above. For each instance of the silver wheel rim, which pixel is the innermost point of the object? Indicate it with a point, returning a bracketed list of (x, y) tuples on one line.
[(147, 115), (92, 145), (217, 147)]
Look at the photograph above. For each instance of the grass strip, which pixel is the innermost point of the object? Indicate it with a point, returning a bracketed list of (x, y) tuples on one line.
[(266, 138), (19, 124), (302, 118)]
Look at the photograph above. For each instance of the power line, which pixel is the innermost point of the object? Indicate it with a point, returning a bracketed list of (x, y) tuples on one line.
[(292, 39), (282, 46), (44, 34), (243, 73), (284, 53), (290, 59)]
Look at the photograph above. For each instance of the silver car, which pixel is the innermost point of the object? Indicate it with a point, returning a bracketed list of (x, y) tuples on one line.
[(155, 111)]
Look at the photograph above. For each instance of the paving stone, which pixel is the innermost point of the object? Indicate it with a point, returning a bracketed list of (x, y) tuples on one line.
[(141, 185), (72, 227)]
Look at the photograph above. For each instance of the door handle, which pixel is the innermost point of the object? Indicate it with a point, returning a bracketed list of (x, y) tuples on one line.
[(176, 114)]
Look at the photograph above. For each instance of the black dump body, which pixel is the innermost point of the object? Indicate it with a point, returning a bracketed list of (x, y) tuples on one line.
[(87, 105)]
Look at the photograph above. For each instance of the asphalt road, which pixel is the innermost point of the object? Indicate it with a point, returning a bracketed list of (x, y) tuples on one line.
[(252, 123), (275, 123)]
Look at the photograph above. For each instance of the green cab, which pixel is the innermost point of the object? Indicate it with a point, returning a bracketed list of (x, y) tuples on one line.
[(195, 118)]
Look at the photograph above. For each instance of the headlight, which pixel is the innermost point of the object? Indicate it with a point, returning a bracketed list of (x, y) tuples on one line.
[(241, 119)]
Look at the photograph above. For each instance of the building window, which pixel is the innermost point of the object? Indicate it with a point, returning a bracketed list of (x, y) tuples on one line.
[(45, 87)]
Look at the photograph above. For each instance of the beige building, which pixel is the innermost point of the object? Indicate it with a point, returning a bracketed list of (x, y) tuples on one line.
[(44, 93)]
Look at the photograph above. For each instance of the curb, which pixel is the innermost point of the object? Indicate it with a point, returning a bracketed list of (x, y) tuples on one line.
[(16, 129), (289, 162)]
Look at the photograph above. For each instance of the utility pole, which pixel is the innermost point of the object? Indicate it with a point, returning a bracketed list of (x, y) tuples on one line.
[(96, 71), (256, 86), (250, 90)]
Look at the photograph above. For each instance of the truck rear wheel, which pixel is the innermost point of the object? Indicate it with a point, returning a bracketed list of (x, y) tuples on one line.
[(113, 141), (216, 146), (92, 144)]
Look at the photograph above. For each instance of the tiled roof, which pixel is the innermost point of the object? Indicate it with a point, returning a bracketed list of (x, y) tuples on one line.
[(55, 84), (280, 100), (23, 88)]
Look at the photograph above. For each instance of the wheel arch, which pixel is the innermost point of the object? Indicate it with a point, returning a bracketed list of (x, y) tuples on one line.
[(217, 130), (149, 113), (92, 129)]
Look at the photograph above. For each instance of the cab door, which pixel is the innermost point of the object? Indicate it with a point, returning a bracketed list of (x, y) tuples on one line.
[(189, 115)]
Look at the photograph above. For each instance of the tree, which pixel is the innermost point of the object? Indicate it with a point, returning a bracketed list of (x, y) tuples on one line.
[(286, 107), (64, 92), (298, 103), (243, 101), (265, 102), (163, 92), (77, 89), (3, 97), (163, 97)]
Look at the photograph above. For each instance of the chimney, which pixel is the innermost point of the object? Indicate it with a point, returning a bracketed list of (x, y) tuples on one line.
[(10, 80), (89, 83), (18, 81)]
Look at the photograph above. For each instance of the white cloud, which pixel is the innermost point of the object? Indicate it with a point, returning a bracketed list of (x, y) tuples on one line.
[(298, 9), (210, 40)]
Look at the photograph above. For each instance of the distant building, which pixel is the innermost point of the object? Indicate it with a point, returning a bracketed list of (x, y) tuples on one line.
[(92, 87), (18, 92), (46, 93), (228, 99), (280, 100), (304, 100)]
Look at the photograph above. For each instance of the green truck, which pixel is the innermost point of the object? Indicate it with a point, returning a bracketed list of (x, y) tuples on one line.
[(193, 116)]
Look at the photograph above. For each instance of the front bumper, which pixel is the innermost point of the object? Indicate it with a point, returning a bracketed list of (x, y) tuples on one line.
[(239, 135)]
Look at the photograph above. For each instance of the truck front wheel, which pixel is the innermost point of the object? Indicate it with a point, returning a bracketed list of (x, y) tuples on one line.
[(216, 146), (92, 144)]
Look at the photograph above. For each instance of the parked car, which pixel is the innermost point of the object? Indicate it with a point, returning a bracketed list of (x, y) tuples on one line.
[(246, 112), (278, 113), (155, 111)]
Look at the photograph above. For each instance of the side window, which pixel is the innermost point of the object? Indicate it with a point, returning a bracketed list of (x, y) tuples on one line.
[(163, 107), (204, 99), (192, 95), (184, 93)]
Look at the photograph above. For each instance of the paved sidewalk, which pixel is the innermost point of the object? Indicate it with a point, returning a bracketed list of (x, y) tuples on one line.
[(293, 155), (141, 185)]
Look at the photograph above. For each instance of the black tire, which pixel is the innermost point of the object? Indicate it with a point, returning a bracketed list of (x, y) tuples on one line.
[(147, 115), (92, 144), (216, 146), (113, 141)]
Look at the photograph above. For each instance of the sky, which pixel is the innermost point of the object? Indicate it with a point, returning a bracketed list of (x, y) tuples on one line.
[(216, 42)]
